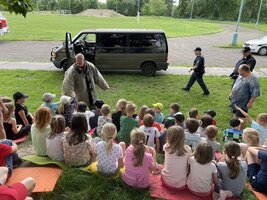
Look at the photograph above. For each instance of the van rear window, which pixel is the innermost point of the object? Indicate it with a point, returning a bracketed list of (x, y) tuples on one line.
[(147, 40)]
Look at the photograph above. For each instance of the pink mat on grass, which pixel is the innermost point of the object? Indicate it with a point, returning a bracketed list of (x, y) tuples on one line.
[(22, 139), (259, 195), (158, 190)]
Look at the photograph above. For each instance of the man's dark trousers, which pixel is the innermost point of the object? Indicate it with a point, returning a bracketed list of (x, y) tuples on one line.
[(196, 76)]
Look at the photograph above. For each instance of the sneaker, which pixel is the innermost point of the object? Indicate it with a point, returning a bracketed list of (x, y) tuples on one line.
[(185, 89)]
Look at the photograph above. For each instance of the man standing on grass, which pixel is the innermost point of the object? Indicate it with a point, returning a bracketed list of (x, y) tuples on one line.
[(80, 80), (197, 75), (246, 59), (245, 90)]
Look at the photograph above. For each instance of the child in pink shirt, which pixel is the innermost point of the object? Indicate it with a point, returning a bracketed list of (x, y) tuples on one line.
[(203, 172), (174, 174), (138, 161)]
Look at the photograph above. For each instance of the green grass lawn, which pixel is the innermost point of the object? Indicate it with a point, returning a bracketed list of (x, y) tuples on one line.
[(53, 27), (74, 184)]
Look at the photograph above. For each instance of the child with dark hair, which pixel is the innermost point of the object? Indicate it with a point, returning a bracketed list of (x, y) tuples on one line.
[(82, 108), (152, 133), (168, 122), (192, 138), (193, 113), (93, 120), (142, 113), (204, 122), (232, 172), (78, 147), (203, 172), (179, 119), (211, 114), (234, 133)]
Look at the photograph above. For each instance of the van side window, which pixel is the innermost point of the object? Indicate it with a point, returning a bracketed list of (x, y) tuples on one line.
[(146, 40)]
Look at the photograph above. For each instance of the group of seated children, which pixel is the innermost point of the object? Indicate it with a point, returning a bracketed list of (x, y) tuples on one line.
[(124, 139)]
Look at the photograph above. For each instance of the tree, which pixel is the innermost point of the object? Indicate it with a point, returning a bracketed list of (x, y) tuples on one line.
[(17, 6), (155, 7), (183, 9), (125, 7)]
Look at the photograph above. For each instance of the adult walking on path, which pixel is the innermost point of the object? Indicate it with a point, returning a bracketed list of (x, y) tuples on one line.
[(246, 59), (245, 90), (81, 79), (197, 75)]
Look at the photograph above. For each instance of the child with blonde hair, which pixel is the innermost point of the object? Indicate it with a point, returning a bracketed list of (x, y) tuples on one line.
[(174, 173), (13, 131), (232, 172), (54, 140), (120, 110), (40, 130), (211, 132), (260, 124), (109, 154), (138, 161), (104, 118), (127, 124), (203, 172), (152, 133), (251, 138)]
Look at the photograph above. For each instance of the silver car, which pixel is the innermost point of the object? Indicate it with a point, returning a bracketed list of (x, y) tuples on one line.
[(258, 46), (3, 25)]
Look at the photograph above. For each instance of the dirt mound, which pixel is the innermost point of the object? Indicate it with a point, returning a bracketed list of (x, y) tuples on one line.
[(100, 13)]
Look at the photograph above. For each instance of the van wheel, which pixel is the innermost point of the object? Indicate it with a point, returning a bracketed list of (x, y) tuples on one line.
[(263, 51), (148, 69), (65, 65)]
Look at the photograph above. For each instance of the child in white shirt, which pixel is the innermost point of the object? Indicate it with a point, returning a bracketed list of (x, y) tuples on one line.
[(192, 138), (105, 118), (152, 133)]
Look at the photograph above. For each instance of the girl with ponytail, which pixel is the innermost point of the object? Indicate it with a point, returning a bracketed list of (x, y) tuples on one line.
[(139, 161), (232, 172), (109, 155)]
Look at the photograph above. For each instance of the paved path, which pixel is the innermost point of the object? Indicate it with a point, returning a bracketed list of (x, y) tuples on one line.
[(212, 71)]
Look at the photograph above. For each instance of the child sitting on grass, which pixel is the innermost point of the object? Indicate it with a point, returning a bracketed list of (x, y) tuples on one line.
[(120, 110), (159, 117), (54, 140), (152, 133), (174, 173), (48, 98), (203, 172), (232, 172), (82, 107), (173, 109), (22, 115), (78, 147), (234, 133), (211, 114), (179, 119), (13, 131), (204, 122), (156, 124), (257, 171), (127, 124), (40, 130), (260, 125), (103, 119), (192, 138), (193, 113), (66, 107), (211, 132), (142, 113), (93, 120), (251, 138), (168, 122), (109, 154), (138, 161)]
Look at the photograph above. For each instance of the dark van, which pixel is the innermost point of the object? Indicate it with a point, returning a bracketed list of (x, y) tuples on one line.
[(113, 49)]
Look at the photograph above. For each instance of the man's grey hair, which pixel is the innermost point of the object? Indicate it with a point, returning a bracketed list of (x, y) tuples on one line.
[(79, 55)]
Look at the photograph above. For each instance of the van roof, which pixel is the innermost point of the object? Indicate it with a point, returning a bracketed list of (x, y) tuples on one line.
[(122, 31)]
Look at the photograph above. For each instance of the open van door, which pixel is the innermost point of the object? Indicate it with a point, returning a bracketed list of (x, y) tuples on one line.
[(68, 47)]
